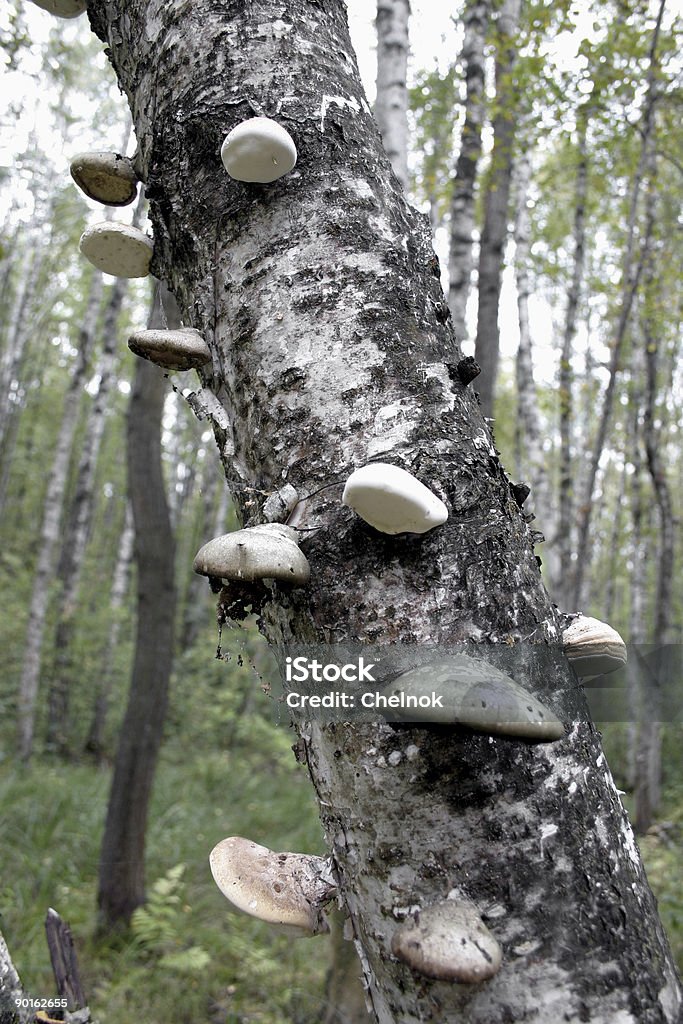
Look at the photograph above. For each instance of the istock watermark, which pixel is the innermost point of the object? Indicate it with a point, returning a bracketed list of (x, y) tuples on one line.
[(304, 670)]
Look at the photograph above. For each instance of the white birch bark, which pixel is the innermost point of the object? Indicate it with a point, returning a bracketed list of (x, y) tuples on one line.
[(391, 104)]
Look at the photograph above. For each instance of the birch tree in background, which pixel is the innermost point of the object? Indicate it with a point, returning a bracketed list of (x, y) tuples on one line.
[(475, 19), (391, 103), (320, 299), (496, 202)]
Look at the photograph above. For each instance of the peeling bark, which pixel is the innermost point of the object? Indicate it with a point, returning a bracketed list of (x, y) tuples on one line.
[(319, 298)]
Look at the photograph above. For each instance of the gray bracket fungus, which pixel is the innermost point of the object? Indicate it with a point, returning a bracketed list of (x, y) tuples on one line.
[(448, 941), (107, 178), (473, 694), (286, 890), (62, 8), (182, 349), (258, 150), (278, 506), (117, 249), (593, 647), (392, 500), (262, 552)]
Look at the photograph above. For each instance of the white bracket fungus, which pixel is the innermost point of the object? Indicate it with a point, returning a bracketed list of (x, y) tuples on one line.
[(107, 178), (258, 150), (593, 647), (62, 8), (449, 942), (474, 694), (392, 500), (262, 552), (183, 349), (279, 505), (284, 889), (117, 249)]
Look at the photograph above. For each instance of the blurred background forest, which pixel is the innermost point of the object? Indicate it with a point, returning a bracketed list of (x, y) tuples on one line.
[(545, 146)]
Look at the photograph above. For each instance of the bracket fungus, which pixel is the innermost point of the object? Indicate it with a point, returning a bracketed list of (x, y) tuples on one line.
[(262, 552), (183, 349), (258, 150), (473, 694), (448, 941), (63, 8), (392, 500), (284, 889), (107, 178), (117, 249), (279, 505), (593, 647)]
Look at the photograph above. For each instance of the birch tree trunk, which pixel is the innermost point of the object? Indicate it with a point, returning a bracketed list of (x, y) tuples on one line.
[(121, 881), (50, 529), (631, 272), (496, 203), (530, 442), (565, 504), (94, 743), (391, 103), (319, 297), (649, 756), (77, 529), (475, 20), (10, 990)]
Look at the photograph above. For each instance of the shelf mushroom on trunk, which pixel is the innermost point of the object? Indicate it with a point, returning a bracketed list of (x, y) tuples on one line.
[(108, 178), (286, 890), (181, 349), (117, 249), (269, 551), (448, 941), (593, 647), (392, 500), (258, 150), (62, 8)]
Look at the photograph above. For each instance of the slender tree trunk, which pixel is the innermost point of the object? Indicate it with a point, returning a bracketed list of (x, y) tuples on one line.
[(213, 522), (10, 990), (630, 278), (496, 202), (94, 743), (317, 375), (649, 758), (475, 19), (50, 529), (121, 885), (530, 437), (565, 504), (77, 530), (391, 104)]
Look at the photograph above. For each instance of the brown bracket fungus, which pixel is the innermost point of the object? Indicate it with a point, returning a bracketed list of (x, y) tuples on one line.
[(107, 178), (262, 552), (62, 8), (593, 647), (258, 150), (392, 500), (286, 890), (117, 249), (183, 349), (449, 942), (473, 694)]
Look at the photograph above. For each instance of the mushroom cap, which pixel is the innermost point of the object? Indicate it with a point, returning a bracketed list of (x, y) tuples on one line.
[(62, 8), (280, 504), (279, 888), (593, 647), (106, 177), (117, 249), (262, 552), (448, 941), (258, 150), (392, 500), (476, 695), (183, 349)]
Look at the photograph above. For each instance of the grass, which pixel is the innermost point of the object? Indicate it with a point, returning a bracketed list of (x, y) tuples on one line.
[(189, 958)]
